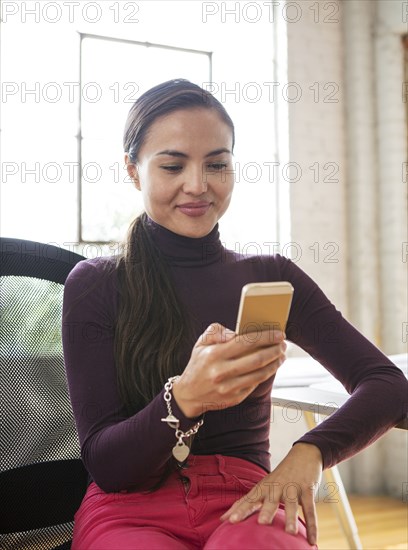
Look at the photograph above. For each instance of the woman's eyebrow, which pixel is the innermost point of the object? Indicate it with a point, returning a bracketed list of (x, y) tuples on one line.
[(218, 152), (174, 153)]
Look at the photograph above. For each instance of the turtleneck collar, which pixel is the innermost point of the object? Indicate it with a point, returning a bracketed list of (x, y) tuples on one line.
[(186, 251)]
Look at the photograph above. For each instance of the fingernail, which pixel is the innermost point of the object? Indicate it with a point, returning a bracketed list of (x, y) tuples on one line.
[(263, 519), (234, 517)]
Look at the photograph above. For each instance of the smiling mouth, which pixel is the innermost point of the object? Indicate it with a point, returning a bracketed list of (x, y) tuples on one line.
[(194, 209)]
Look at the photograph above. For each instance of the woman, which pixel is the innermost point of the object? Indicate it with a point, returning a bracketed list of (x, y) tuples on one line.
[(172, 409)]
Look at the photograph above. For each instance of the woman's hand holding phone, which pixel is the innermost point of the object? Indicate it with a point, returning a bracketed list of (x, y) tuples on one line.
[(225, 368)]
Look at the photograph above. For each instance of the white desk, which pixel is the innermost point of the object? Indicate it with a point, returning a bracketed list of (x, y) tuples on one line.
[(305, 385), (315, 400)]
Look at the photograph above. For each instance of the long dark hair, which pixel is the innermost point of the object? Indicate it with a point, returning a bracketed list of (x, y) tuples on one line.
[(152, 329)]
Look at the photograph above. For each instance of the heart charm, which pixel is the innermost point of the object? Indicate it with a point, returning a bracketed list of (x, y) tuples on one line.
[(180, 452)]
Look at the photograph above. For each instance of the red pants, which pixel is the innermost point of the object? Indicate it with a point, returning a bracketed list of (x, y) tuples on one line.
[(183, 515)]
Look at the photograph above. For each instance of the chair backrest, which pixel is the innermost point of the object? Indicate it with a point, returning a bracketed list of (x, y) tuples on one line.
[(42, 479)]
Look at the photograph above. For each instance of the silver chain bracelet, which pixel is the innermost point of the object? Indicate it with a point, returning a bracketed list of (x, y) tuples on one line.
[(180, 450)]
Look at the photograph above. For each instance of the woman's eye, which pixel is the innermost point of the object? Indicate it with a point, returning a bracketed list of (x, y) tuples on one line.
[(217, 166), (172, 167)]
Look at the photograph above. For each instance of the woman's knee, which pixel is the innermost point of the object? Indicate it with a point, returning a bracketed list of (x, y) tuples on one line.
[(250, 534), (134, 539)]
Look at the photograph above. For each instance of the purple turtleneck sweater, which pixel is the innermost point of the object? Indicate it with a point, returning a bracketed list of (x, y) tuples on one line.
[(130, 453)]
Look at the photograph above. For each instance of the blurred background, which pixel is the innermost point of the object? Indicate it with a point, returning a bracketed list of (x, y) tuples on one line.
[(318, 91)]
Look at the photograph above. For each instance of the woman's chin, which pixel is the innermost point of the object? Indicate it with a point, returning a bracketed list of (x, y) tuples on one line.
[(191, 226)]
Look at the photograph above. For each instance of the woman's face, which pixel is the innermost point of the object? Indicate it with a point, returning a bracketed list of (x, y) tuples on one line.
[(184, 171)]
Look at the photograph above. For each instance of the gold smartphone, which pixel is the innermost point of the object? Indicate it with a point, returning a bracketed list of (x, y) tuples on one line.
[(264, 306)]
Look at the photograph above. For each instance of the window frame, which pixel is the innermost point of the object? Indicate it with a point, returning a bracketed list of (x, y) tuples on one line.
[(79, 136)]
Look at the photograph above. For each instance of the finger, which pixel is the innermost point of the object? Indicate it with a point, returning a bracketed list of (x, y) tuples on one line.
[(310, 517), (267, 512), (267, 358), (229, 512), (260, 337), (243, 345), (243, 512), (291, 515), (243, 507), (248, 382), (215, 334)]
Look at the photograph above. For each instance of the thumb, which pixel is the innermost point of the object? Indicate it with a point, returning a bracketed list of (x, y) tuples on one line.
[(215, 334)]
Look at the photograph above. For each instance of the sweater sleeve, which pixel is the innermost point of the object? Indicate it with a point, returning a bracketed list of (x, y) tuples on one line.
[(379, 389), (120, 452)]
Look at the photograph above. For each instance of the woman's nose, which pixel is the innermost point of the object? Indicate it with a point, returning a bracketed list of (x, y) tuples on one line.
[(195, 181)]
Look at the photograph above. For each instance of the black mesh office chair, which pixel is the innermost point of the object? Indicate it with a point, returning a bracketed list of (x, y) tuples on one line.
[(42, 479)]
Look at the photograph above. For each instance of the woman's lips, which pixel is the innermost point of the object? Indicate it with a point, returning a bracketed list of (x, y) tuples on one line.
[(194, 209)]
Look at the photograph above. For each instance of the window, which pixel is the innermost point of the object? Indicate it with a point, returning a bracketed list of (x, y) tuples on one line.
[(107, 197), (69, 77)]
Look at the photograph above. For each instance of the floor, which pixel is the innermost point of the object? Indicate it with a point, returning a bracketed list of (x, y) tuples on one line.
[(382, 524)]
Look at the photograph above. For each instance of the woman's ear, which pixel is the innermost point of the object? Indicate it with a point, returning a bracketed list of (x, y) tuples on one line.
[(132, 171)]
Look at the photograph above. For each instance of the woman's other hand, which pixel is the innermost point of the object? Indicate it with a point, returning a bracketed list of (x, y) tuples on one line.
[(225, 368), (293, 482)]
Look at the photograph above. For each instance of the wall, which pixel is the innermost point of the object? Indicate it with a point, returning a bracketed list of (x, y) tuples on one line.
[(316, 139), (353, 56)]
